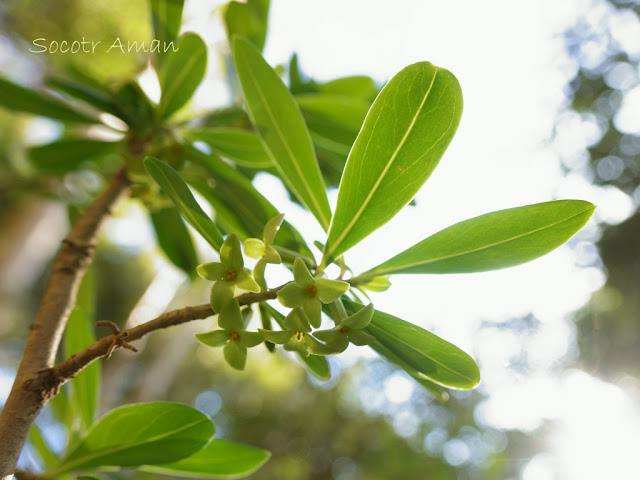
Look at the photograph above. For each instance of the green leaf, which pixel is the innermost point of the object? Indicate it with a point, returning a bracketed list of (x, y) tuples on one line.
[(177, 190), (405, 134), (245, 205), (279, 122), (87, 94), (79, 334), (15, 97), (69, 153), (344, 111), (356, 86), (333, 121), (138, 434), (135, 107), (247, 19), (175, 240), (44, 451), (182, 73), (243, 147), (430, 356), (219, 459), (495, 240), (166, 16)]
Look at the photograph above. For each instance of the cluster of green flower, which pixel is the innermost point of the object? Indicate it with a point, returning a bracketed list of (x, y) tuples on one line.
[(305, 295)]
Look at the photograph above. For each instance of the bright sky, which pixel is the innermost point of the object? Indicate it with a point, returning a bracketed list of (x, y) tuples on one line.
[(510, 60)]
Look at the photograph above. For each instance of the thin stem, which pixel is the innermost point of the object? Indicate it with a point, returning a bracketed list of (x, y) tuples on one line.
[(54, 378)]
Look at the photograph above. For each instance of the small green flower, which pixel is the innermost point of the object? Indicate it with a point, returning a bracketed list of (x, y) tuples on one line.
[(263, 249), (228, 274), (233, 336), (349, 330), (310, 293), (297, 336)]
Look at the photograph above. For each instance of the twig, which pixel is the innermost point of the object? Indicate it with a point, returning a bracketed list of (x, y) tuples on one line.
[(24, 403), (52, 379)]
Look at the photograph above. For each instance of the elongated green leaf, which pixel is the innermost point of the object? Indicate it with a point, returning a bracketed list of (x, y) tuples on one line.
[(334, 122), (139, 434), (344, 111), (219, 459), (134, 107), (15, 97), (79, 334), (243, 147), (175, 240), (87, 94), (405, 134), (279, 122), (247, 19), (182, 73), (245, 206), (69, 153), (428, 355), (166, 16), (183, 199), (356, 86), (495, 240), (44, 451)]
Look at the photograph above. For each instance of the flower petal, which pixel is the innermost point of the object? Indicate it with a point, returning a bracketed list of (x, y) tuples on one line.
[(214, 338), (277, 336), (230, 318), (317, 348), (328, 335), (213, 271), (360, 338), (292, 295), (271, 255), (245, 281), (258, 273), (296, 321), (312, 308), (360, 319), (298, 344), (301, 273), (251, 339), (271, 228), (330, 290), (254, 248), (221, 293), (235, 355), (231, 253)]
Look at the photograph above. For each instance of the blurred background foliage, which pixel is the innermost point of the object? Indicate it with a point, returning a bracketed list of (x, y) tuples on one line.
[(370, 421)]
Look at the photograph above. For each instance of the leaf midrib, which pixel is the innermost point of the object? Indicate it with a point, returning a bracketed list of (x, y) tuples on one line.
[(366, 201), (479, 249)]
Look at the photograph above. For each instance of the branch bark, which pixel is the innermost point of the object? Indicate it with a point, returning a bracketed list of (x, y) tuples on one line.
[(52, 379), (24, 403)]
